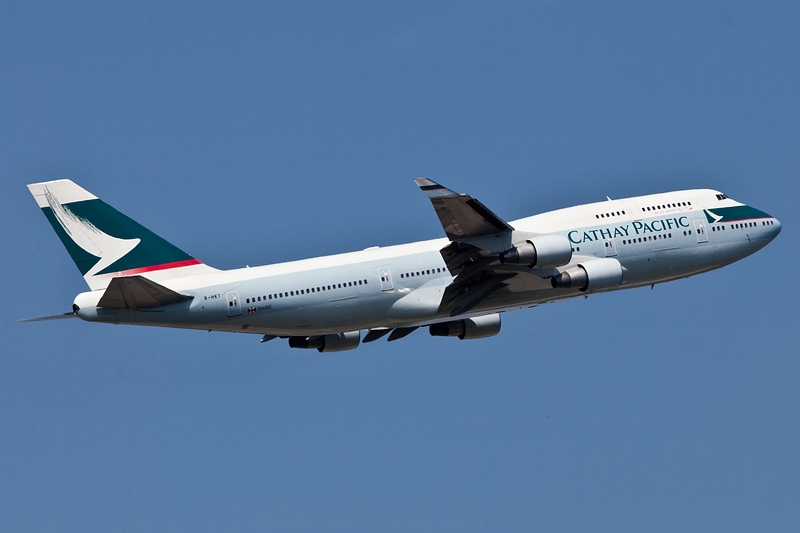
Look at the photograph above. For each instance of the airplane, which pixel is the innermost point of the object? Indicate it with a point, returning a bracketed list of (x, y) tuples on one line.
[(456, 286)]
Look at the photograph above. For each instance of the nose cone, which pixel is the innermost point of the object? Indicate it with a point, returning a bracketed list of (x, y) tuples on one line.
[(772, 229), (765, 234)]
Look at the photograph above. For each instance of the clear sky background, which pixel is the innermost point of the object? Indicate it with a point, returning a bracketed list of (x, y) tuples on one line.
[(259, 133)]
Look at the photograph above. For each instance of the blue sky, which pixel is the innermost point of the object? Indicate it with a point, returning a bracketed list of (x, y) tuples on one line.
[(258, 133)]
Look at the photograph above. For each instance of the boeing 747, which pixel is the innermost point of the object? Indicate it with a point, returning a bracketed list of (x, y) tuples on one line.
[(455, 286)]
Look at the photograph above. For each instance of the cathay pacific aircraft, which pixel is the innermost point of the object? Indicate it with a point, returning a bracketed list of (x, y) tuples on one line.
[(455, 286)]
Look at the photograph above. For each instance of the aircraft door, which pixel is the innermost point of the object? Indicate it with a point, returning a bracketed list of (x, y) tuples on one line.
[(700, 229), (386, 279), (234, 309), (633, 209), (611, 247)]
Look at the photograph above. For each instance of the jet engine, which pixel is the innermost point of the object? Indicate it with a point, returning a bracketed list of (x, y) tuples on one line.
[(542, 251), (337, 342), (468, 328), (592, 275)]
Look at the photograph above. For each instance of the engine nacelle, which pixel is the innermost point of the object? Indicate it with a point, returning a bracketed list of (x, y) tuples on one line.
[(592, 275), (542, 251), (336, 342), (468, 328)]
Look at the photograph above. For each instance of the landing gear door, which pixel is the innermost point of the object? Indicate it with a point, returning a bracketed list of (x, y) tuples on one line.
[(386, 279), (700, 229), (234, 309)]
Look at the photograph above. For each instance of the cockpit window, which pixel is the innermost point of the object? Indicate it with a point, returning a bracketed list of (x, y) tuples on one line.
[(722, 197)]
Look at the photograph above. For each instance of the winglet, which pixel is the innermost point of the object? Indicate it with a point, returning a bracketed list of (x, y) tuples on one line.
[(461, 215), (433, 189)]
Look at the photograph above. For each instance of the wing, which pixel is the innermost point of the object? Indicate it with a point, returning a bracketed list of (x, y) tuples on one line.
[(478, 238)]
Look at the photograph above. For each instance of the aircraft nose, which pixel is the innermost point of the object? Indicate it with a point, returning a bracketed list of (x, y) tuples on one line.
[(773, 228), (777, 226)]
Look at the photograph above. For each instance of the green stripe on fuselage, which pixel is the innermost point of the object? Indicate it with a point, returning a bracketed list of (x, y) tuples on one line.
[(739, 212), (152, 250)]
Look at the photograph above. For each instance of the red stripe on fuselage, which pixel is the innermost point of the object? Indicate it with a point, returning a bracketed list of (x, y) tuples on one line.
[(165, 266)]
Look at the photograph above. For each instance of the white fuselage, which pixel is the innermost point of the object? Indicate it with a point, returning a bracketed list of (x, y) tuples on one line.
[(655, 238)]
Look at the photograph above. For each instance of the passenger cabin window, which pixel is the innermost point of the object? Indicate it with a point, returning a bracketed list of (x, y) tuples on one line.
[(609, 215)]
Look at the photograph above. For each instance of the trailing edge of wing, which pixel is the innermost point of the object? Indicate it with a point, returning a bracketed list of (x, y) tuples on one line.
[(461, 215), (137, 292)]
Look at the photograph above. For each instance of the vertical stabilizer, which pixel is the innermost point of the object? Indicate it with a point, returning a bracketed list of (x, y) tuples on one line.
[(103, 242)]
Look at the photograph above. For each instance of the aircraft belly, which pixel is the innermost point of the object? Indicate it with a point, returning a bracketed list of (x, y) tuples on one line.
[(334, 316), (418, 304)]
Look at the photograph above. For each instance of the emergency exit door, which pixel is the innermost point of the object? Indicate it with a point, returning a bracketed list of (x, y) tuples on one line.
[(234, 309), (700, 229), (386, 279), (611, 247)]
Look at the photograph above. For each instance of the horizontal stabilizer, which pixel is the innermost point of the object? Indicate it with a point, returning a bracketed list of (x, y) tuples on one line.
[(51, 317), (461, 215), (136, 292)]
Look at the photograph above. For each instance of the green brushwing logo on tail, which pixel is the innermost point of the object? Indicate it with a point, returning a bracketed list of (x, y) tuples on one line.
[(102, 240)]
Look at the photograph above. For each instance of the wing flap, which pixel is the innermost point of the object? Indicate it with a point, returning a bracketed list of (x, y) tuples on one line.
[(137, 292)]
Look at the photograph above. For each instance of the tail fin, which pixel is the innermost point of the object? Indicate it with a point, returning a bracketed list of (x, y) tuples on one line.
[(103, 242)]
